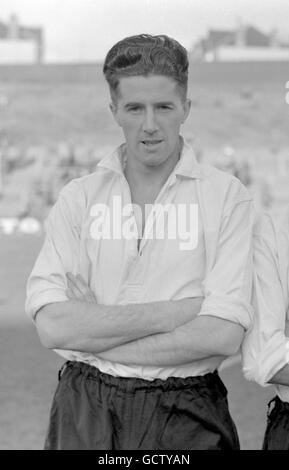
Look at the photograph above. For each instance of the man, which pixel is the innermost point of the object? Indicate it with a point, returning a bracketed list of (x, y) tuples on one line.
[(266, 348), (144, 303)]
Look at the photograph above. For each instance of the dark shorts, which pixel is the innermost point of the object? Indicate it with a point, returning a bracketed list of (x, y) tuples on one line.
[(277, 431), (93, 410)]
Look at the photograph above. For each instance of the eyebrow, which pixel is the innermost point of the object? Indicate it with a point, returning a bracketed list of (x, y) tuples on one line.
[(129, 105), (160, 103)]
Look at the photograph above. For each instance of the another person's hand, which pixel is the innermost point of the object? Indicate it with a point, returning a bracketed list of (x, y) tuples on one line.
[(77, 289)]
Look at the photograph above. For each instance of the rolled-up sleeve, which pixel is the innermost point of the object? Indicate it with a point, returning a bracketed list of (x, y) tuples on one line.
[(59, 253), (264, 347), (228, 285)]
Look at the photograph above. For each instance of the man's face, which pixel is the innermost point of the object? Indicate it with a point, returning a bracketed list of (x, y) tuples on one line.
[(150, 112)]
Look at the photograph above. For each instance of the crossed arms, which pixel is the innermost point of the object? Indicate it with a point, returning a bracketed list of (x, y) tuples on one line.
[(156, 333)]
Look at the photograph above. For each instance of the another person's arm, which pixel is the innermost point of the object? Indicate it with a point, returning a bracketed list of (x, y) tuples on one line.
[(282, 376), (264, 349)]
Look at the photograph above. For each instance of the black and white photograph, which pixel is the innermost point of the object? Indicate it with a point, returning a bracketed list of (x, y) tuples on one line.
[(144, 227)]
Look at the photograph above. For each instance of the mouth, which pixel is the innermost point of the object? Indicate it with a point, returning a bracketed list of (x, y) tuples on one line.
[(151, 143)]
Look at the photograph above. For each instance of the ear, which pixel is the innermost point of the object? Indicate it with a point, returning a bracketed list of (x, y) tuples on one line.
[(187, 109)]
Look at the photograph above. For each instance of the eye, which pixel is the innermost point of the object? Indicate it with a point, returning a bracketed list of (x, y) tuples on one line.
[(165, 107), (134, 109)]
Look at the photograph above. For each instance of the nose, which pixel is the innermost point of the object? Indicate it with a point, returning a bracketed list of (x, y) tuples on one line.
[(150, 125)]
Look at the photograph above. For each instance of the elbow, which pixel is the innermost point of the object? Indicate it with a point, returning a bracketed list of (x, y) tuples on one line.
[(231, 343), (230, 349)]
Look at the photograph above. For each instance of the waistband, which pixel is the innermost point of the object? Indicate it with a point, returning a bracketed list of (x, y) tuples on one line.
[(126, 384)]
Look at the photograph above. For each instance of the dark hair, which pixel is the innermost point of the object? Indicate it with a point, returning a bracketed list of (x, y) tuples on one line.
[(144, 55)]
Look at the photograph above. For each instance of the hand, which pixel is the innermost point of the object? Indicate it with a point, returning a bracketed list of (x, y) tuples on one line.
[(77, 289)]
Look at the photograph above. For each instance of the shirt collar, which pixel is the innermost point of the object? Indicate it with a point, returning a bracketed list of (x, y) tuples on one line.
[(187, 165), (114, 161)]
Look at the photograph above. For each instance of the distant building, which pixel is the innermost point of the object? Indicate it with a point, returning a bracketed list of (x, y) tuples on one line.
[(20, 44), (246, 43)]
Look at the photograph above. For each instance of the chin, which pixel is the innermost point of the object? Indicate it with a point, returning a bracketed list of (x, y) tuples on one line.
[(153, 160)]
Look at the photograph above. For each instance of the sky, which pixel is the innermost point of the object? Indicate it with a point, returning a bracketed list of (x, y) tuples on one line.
[(84, 30)]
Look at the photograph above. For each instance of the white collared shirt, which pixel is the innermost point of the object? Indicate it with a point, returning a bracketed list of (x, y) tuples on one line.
[(219, 268), (265, 348)]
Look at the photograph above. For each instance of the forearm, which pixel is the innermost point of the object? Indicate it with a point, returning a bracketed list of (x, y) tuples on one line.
[(200, 338), (90, 327)]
